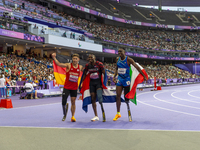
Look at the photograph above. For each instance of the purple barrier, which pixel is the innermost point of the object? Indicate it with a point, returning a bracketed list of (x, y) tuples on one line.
[(21, 35), (11, 34), (192, 80), (151, 81), (170, 80), (22, 83), (23, 95), (152, 56), (53, 87)]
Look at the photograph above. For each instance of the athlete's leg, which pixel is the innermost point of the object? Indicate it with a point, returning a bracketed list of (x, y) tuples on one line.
[(100, 98), (73, 106), (65, 95), (126, 90), (94, 106), (99, 95), (118, 97), (118, 102), (73, 94), (93, 91)]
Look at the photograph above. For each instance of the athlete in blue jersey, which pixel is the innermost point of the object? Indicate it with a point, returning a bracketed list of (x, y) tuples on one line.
[(122, 70)]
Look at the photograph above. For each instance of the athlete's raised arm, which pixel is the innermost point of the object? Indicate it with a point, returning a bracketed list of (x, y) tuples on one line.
[(63, 65)]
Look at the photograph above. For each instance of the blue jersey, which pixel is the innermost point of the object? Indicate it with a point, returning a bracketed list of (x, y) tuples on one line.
[(123, 72)]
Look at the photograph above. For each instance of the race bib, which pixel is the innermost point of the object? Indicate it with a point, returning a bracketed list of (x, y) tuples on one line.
[(73, 78), (121, 70), (128, 82), (94, 75)]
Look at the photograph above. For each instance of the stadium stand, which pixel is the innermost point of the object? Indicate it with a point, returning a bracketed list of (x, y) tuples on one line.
[(40, 70)]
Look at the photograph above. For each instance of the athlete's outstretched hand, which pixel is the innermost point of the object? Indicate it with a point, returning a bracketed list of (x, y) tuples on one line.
[(53, 55), (114, 80)]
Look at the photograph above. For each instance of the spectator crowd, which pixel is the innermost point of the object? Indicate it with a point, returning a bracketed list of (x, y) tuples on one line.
[(158, 71), (150, 39), (15, 68), (31, 68)]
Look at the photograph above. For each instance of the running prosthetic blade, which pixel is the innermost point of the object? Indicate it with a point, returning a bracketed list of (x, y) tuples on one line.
[(104, 117), (67, 108), (103, 113), (129, 112), (129, 115)]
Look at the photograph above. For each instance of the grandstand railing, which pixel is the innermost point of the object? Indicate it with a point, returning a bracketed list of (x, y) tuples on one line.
[(111, 51), (167, 50), (86, 10)]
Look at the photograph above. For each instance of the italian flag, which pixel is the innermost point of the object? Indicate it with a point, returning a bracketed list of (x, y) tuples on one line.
[(136, 78)]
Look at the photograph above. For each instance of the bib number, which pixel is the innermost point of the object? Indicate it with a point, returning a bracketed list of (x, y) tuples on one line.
[(121, 70), (73, 78), (128, 82), (94, 75)]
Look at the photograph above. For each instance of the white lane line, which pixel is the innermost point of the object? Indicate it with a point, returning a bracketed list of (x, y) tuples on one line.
[(168, 109), (182, 98), (165, 108), (193, 95), (67, 128), (173, 103), (29, 106)]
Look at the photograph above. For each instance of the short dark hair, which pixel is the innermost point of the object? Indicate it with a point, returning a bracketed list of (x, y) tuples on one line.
[(92, 55), (121, 48), (75, 55)]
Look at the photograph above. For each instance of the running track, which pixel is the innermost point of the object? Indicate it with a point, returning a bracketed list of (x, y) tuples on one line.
[(172, 108)]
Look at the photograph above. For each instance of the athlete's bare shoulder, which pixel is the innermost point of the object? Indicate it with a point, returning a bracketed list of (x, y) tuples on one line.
[(130, 59)]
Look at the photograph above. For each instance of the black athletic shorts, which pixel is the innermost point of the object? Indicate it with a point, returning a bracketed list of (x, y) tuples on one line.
[(94, 86), (72, 93), (66, 93)]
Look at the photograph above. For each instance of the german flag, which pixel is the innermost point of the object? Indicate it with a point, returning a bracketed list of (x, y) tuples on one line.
[(60, 73)]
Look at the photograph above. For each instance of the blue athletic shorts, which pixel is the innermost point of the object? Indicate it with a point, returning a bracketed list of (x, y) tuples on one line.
[(123, 82), (31, 92)]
